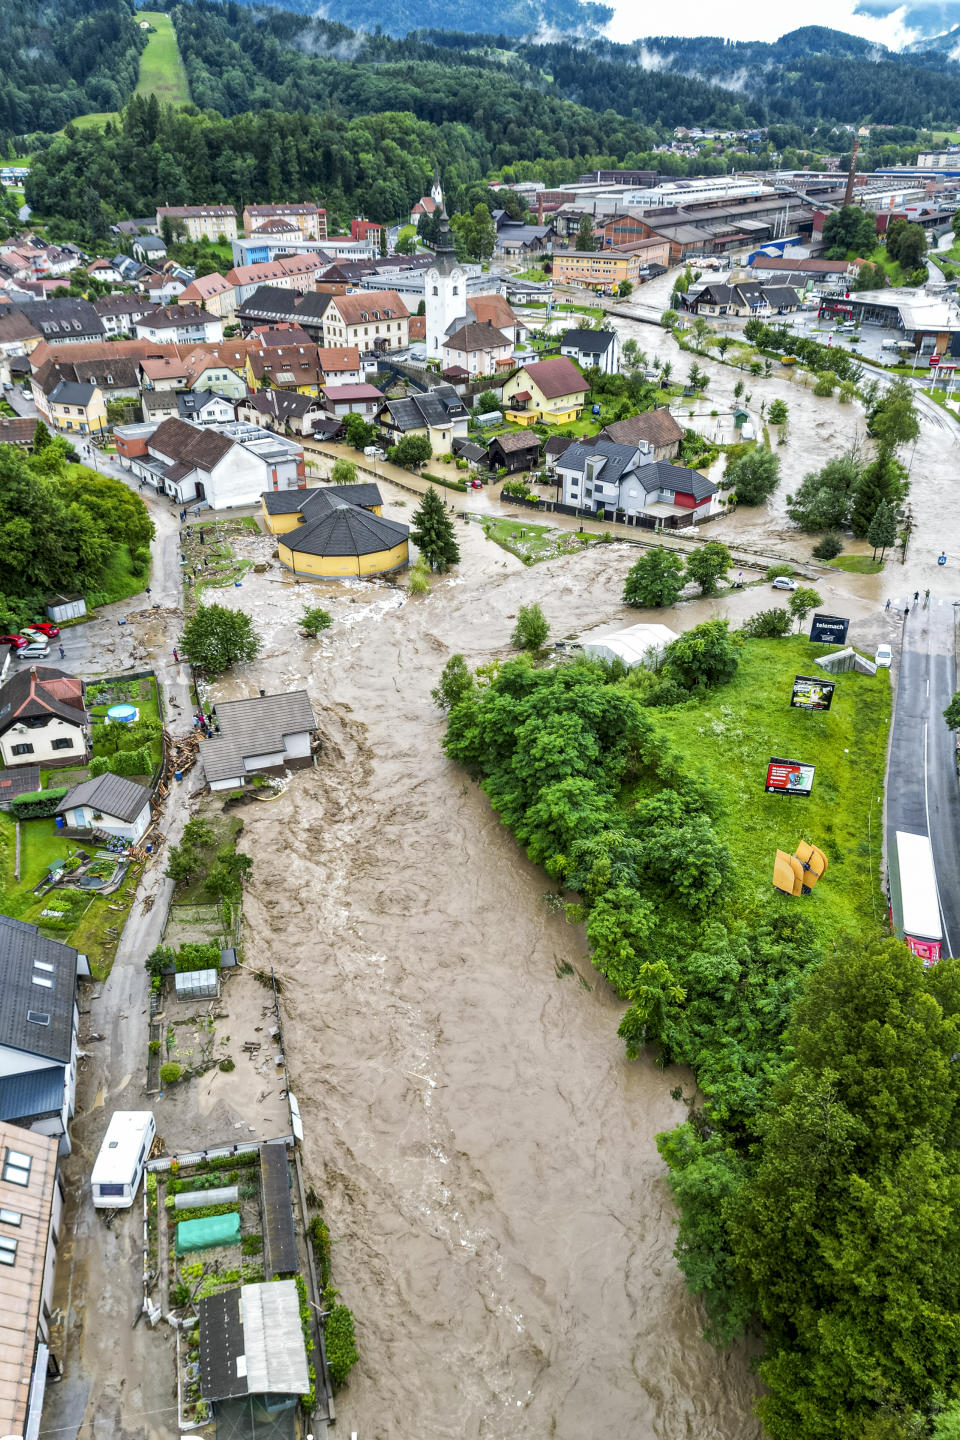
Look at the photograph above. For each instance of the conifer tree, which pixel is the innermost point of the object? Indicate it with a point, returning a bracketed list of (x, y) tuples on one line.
[(433, 533)]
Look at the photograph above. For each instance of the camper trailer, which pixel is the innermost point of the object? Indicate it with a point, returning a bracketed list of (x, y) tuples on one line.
[(123, 1154)]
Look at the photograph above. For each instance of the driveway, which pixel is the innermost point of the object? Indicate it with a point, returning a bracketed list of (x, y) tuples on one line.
[(922, 792)]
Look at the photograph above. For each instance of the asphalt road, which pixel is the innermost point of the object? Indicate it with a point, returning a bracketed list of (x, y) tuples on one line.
[(923, 796)]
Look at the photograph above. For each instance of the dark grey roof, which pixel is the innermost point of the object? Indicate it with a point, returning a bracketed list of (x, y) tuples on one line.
[(69, 392), (779, 295), (273, 302), (558, 445), (717, 294), (23, 954), (282, 404), (664, 476), (61, 320), (279, 1237), (112, 795), (32, 1094), (221, 1345), (468, 451), (194, 402), (347, 530), (286, 502), (516, 440), (618, 459), (255, 726), (438, 406), (589, 342)]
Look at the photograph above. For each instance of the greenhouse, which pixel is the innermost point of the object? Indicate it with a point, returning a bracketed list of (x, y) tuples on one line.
[(207, 1232), (198, 984)]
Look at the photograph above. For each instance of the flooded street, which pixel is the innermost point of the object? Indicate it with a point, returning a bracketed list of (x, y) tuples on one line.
[(486, 1155)]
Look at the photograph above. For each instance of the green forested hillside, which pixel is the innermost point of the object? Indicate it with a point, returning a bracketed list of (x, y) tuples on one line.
[(61, 59)]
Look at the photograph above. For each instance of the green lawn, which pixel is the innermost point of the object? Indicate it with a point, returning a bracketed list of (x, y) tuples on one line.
[(530, 542), (533, 274), (733, 733), (118, 581), (856, 564), (161, 69)]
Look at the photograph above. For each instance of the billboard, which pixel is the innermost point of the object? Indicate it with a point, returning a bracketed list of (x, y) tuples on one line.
[(811, 693), (789, 777), (829, 629)]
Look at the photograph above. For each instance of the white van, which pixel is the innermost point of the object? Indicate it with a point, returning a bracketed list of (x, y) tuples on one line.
[(123, 1154)]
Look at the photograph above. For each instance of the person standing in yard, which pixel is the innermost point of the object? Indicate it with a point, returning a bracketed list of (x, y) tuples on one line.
[(62, 652)]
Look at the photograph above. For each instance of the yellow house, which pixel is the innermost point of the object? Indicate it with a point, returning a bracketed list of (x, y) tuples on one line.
[(550, 391), (285, 510), (284, 367), (344, 542), (597, 269), (79, 409)]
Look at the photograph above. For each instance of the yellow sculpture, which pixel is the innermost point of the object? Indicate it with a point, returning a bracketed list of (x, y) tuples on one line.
[(797, 874)]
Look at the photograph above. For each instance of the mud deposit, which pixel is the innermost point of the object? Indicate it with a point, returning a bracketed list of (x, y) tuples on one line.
[(501, 1225)]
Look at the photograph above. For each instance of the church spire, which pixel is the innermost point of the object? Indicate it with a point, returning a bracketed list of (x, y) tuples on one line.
[(445, 257)]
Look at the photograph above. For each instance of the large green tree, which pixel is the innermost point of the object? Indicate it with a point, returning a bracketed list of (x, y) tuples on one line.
[(754, 475), (655, 579), (708, 564), (849, 230), (215, 638), (433, 532), (825, 496)]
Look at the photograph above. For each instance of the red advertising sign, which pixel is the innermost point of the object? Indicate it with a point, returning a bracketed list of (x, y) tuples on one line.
[(789, 777)]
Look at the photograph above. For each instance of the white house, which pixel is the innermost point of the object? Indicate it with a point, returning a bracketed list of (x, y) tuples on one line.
[(262, 733), (601, 476), (220, 465), (42, 718), (593, 348), (180, 325), (112, 803), (38, 1029)]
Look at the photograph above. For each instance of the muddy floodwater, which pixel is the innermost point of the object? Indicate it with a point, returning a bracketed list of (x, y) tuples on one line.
[(501, 1225)]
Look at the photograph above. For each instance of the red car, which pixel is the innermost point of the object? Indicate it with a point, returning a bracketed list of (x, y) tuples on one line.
[(44, 627), (17, 641)]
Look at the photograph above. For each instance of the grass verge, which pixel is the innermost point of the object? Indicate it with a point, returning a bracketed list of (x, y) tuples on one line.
[(732, 734), (161, 68), (856, 564), (531, 543)]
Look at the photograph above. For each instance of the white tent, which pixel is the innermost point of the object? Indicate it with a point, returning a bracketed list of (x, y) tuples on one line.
[(631, 645)]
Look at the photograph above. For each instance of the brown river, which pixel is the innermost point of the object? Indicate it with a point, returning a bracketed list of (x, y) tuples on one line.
[(501, 1225)]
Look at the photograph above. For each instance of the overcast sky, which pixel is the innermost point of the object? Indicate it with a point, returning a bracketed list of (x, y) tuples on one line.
[(759, 20)]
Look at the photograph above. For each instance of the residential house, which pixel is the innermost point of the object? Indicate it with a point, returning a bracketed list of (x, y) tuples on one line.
[(65, 322), (375, 320), (343, 400), (287, 272), (477, 348), (116, 377), (518, 240), (199, 222), (439, 414), (149, 249), (38, 1031), (656, 428), (621, 482), (344, 542), (287, 367), (19, 431), (746, 297), (550, 391), (43, 720), (108, 803), (19, 331), (273, 305), (602, 270), (340, 364), (105, 271), (78, 408), (288, 413), (516, 450), (495, 310), (119, 314), (31, 1221), (214, 293), (593, 348), (285, 510), (264, 734), (311, 220), (231, 465), (553, 449), (180, 325), (145, 225), (162, 287), (205, 407)]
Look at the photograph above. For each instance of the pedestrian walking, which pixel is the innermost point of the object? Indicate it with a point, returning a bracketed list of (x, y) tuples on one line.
[(62, 652), (906, 611), (926, 597), (148, 589), (887, 606), (176, 657), (916, 596)]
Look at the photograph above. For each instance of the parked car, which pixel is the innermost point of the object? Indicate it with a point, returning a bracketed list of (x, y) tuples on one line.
[(783, 582), (43, 627), (884, 657), (36, 650), (477, 484), (17, 641)]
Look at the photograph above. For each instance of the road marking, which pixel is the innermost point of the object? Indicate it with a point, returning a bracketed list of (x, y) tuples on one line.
[(926, 811), (928, 687)]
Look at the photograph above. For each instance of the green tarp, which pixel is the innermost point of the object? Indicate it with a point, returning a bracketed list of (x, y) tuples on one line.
[(211, 1230)]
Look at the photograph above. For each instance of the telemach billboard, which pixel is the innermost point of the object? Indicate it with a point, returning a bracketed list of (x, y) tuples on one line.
[(829, 629), (789, 777), (811, 693)]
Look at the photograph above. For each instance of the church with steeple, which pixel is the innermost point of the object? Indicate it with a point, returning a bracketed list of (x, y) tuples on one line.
[(445, 290)]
